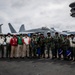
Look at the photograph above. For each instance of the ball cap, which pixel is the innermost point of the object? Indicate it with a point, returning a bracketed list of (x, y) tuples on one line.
[(48, 32), (56, 33), (8, 34), (14, 35)]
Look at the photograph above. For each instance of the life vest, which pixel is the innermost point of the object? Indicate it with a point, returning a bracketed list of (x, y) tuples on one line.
[(26, 40), (13, 41)]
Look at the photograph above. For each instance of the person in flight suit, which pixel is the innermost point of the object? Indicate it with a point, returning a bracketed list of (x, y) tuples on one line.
[(53, 48), (33, 46), (42, 45), (57, 43), (60, 49), (66, 46), (48, 43), (72, 45), (71, 39)]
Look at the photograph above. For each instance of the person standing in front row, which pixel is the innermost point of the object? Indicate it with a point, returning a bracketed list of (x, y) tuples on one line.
[(53, 48), (66, 47), (13, 43), (73, 48), (57, 43), (42, 45), (8, 46), (71, 39), (33, 45), (26, 43), (20, 46), (1, 46), (48, 43)]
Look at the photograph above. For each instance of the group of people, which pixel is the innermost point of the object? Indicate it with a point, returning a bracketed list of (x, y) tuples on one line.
[(16, 46), (38, 46)]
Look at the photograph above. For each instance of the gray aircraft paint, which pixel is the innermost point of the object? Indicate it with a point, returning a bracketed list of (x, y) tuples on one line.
[(1, 28), (11, 28), (22, 28)]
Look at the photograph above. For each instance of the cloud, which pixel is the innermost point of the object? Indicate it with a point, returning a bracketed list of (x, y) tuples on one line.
[(36, 13)]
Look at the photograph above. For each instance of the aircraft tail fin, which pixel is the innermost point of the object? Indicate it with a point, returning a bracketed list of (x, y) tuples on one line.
[(11, 28), (1, 28), (22, 28)]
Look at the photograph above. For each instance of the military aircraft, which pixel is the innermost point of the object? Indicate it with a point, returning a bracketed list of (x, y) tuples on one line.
[(43, 30), (11, 28), (70, 32), (1, 28), (22, 30)]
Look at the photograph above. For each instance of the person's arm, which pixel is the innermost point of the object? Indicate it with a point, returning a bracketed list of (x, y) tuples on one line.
[(11, 41), (23, 41), (29, 40)]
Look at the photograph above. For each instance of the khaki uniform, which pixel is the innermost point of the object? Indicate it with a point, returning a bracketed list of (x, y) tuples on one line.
[(26, 43), (13, 51), (13, 43), (20, 47)]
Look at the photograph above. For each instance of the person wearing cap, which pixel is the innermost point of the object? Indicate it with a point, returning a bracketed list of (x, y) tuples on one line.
[(66, 48), (26, 43), (71, 39), (57, 43), (13, 43), (48, 43), (42, 45), (20, 46), (72, 46), (33, 46), (1, 46), (60, 50), (8, 46), (38, 47)]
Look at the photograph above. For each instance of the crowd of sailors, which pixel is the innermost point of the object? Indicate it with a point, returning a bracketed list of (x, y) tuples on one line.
[(38, 46)]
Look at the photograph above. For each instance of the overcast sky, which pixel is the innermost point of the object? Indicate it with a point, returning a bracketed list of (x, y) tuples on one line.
[(36, 13)]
